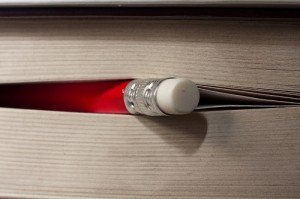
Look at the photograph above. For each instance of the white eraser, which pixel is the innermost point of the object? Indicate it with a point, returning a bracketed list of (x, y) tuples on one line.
[(177, 96)]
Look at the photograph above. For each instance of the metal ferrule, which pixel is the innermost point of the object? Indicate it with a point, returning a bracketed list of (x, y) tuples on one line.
[(140, 97)]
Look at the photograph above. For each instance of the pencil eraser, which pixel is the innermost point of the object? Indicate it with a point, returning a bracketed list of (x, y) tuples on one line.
[(177, 96)]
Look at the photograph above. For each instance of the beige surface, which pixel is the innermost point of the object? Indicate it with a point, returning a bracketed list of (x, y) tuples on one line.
[(254, 153), (241, 53)]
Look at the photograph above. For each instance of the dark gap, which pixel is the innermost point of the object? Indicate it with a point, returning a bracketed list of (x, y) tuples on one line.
[(79, 96), (214, 12)]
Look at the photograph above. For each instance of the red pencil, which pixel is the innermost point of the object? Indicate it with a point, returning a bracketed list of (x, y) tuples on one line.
[(152, 97)]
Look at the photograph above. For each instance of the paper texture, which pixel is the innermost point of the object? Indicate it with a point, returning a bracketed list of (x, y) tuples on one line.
[(66, 155), (212, 97)]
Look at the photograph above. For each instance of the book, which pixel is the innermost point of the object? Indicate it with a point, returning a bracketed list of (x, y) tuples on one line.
[(248, 153)]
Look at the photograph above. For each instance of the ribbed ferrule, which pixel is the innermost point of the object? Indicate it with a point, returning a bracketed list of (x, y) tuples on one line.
[(140, 97)]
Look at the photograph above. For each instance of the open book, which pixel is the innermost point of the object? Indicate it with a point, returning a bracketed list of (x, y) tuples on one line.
[(248, 153)]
